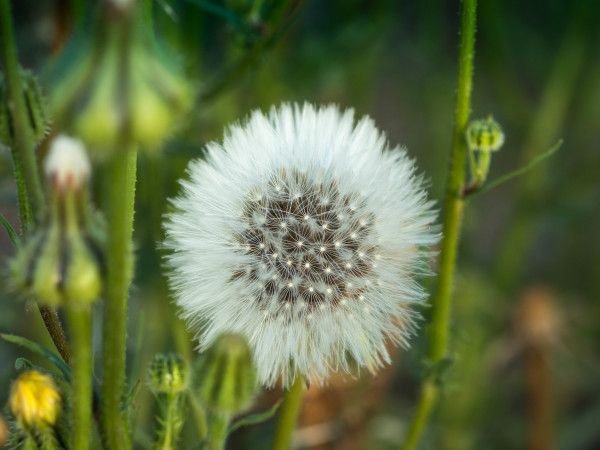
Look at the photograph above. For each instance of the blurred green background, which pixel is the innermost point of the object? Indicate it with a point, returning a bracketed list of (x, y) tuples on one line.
[(526, 329)]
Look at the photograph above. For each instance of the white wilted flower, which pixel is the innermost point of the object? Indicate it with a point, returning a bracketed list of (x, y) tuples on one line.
[(302, 231)]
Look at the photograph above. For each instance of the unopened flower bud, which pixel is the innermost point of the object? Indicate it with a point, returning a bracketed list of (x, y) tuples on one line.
[(35, 400), (121, 87), (67, 166), (61, 261), (168, 374), (227, 377), (484, 135), (35, 104)]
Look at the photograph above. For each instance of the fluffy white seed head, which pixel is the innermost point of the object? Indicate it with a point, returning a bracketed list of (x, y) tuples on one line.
[(276, 235), (67, 165)]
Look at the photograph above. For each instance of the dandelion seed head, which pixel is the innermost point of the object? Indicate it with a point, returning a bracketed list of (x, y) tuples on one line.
[(333, 196)]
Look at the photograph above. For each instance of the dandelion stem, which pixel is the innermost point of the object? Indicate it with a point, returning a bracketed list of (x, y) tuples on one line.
[(453, 212), (80, 326), (217, 434), (29, 190), (31, 196), (198, 415), (290, 410), (119, 205), (170, 422)]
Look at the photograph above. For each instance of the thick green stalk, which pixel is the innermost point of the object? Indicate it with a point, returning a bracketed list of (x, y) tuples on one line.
[(29, 191), (198, 415), (24, 145), (217, 433), (80, 325), (119, 199), (290, 410), (453, 212)]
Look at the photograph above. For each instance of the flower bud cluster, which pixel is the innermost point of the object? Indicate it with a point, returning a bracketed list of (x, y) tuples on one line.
[(62, 261), (120, 87)]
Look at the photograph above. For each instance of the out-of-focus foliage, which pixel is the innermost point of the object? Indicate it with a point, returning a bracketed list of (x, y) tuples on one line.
[(537, 70)]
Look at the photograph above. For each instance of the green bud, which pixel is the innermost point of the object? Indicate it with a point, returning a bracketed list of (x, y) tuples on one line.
[(227, 377), (115, 85), (36, 110), (484, 135), (167, 374), (61, 261)]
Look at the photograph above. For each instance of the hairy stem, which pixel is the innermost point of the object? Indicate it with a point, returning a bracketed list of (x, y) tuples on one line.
[(453, 212), (80, 325), (119, 206), (29, 190), (171, 422), (290, 410), (24, 145), (55, 330)]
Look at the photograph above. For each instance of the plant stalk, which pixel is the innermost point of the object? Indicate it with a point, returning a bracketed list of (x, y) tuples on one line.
[(24, 145), (290, 410), (80, 325), (452, 218), (198, 415), (119, 199), (217, 434)]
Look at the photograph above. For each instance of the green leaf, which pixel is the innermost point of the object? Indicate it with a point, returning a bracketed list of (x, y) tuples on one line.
[(12, 234), (52, 357), (254, 419), (521, 170)]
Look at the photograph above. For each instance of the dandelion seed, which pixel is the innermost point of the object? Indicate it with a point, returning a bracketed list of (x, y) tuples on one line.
[(326, 182)]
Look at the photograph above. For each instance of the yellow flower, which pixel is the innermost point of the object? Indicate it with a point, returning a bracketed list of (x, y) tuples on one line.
[(34, 399)]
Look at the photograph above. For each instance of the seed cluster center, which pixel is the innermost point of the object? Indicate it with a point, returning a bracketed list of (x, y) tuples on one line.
[(311, 245)]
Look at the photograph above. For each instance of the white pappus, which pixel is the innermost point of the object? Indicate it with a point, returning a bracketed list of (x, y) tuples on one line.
[(304, 232)]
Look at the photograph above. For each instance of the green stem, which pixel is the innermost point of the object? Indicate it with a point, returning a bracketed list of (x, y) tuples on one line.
[(24, 145), (199, 415), (119, 199), (453, 212), (170, 422), (29, 191), (80, 325), (290, 410), (217, 434)]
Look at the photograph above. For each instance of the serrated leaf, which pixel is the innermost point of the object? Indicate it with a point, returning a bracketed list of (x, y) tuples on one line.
[(49, 355), (254, 419), (12, 234)]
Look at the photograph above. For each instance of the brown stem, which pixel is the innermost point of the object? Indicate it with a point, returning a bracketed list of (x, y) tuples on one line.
[(56, 331), (539, 387)]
